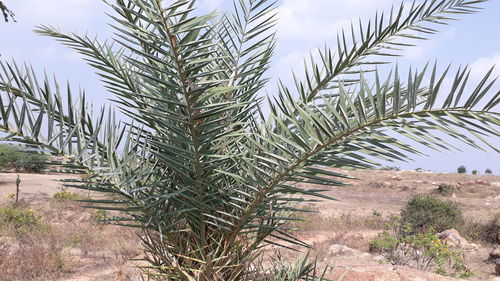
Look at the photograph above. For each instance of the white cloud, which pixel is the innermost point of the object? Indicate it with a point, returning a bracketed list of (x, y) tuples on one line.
[(210, 5), (305, 25), (481, 66), (317, 21), (57, 12)]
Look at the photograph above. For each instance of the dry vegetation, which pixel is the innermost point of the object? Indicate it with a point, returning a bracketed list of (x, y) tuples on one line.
[(57, 239)]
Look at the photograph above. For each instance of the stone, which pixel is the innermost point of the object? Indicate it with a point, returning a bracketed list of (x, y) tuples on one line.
[(495, 258), (476, 182), (452, 238), (385, 273), (342, 250), (495, 255)]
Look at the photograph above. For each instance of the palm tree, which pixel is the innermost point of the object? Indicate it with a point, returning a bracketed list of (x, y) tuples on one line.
[(6, 12), (206, 175)]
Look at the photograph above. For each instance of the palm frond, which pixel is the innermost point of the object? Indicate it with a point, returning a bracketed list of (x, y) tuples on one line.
[(366, 45)]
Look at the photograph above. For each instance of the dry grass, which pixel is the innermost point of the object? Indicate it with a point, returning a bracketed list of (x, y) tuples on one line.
[(65, 241), (33, 258), (345, 222)]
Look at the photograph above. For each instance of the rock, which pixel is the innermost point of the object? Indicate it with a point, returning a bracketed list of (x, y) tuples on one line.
[(452, 238), (342, 250), (476, 182), (494, 279), (71, 252), (385, 273), (7, 244), (7, 240), (495, 258), (495, 255), (496, 184), (364, 255)]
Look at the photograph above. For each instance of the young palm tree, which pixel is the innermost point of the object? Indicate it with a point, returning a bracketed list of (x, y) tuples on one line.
[(206, 175), (6, 12)]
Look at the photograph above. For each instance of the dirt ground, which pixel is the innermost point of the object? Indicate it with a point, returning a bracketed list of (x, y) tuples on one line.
[(339, 233)]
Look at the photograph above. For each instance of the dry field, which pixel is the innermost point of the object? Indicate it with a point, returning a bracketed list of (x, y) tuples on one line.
[(70, 244)]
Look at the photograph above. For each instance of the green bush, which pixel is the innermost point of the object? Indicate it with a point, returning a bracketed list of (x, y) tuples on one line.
[(447, 189), (488, 172), (23, 220), (461, 169), (66, 196), (425, 212), (423, 251), (474, 172), (12, 158)]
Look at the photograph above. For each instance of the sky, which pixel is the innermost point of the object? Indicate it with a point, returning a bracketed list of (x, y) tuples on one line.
[(304, 25)]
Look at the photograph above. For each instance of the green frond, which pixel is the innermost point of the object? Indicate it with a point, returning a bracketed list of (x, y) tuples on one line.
[(365, 45)]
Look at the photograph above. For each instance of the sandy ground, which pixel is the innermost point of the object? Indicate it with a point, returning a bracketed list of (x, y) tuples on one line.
[(32, 186)]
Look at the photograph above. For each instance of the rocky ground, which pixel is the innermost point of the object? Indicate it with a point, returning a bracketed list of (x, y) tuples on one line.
[(339, 233)]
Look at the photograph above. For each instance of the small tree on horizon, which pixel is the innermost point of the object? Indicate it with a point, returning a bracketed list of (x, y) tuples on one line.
[(207, 177), (461, 169)]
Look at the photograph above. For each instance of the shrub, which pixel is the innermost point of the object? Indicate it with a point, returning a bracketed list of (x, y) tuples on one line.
[(423, 251), (447, 189), (12, 158), (425, 212), (22, 220), (66, 196), (474, 172), (461, 169), (492, 230), (485, 232), (488, 172)]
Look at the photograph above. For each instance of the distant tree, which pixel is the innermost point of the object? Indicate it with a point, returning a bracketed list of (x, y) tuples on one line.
[(461, 169), (488, 172), (474, 172), (6, 12)]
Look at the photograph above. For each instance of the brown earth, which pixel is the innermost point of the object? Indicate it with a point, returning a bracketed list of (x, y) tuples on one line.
[(339, 234)]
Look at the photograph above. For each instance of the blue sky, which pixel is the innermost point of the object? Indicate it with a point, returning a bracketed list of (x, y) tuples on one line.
[(304, 25)]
